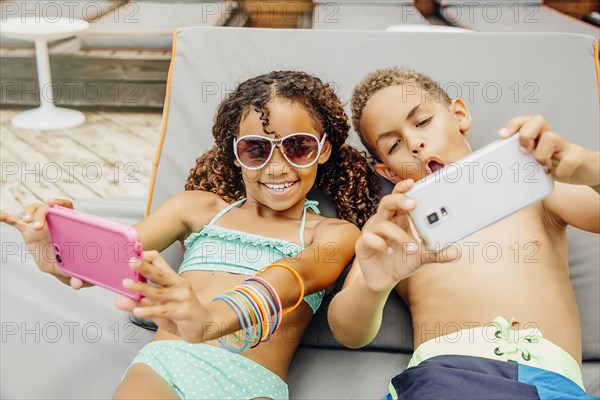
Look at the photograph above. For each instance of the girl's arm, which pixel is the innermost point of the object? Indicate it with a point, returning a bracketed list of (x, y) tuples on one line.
[(319, 265), (161, 228), (32, 226), (176, 308), (171, 220)]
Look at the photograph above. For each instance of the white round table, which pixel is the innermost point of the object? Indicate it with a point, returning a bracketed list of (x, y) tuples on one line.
[(40, 30)]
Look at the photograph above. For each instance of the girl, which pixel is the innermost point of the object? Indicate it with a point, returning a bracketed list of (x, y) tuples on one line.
[(245, 207)]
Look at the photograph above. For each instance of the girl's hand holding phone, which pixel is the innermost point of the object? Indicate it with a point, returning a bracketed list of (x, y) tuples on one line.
[(172, 304), (32, 225)]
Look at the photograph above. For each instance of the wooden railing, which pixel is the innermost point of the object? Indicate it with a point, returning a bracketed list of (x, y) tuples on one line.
[(574, 8), (275, 13)]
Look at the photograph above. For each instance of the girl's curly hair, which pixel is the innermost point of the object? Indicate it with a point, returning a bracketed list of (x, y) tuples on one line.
[(346, 178)]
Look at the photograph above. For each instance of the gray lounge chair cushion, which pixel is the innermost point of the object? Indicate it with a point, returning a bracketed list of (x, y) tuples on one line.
[(342, 374), (89, 10), (365, 15), (472, 66), (511, 16), (150, 25)]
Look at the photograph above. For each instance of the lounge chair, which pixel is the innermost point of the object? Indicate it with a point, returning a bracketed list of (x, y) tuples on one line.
[(149, 25), (512, 16)]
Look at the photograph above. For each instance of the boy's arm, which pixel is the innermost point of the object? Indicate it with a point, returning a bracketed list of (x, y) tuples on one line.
[(355, 313), (575, 205), (575, 201), (385, 255)]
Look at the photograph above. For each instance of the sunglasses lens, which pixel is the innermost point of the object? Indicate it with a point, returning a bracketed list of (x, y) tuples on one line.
[(301, 149), (253, 152)]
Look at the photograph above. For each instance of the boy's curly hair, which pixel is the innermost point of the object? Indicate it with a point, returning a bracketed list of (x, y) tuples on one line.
[(346, 178), (383, 78)]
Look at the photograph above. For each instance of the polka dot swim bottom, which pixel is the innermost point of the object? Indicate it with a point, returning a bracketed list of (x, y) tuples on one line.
[(201, 371)]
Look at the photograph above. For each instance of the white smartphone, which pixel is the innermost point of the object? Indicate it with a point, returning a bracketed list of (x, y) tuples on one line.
[(476, 191)]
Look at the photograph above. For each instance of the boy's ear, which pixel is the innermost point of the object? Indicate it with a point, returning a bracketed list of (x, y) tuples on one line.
[(461, 113), (325, 152), (236, 163), (387, 173)]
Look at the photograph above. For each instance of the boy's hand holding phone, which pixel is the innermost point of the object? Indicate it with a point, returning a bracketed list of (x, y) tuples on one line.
[(568, 162), (33, 228), (386, 251)]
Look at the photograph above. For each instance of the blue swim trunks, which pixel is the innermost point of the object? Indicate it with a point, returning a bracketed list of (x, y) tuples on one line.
[(491, 362), (477, 378)]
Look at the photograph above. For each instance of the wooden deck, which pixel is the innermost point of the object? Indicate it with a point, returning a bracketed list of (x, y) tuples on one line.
[(110, 155)]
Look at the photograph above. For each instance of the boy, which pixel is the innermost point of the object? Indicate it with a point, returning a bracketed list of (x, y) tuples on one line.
[(459, 298)]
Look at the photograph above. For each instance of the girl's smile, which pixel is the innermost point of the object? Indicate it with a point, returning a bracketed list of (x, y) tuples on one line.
[(280, 189)]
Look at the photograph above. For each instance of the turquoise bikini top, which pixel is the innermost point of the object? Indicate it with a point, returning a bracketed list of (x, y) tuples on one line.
[(215, 248)]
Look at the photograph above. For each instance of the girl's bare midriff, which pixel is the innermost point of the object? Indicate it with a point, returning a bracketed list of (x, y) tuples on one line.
[(208, 285)]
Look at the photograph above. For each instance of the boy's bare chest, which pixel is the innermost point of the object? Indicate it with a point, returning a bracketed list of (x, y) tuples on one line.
[(520, 247), (518, 239)]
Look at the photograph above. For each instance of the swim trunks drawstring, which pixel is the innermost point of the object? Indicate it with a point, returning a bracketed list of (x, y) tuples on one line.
[(508, 343)]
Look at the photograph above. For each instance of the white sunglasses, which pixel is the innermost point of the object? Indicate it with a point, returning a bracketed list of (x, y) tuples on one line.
[(299, 149)]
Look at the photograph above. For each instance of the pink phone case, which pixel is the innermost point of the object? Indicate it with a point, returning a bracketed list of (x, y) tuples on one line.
[(94, 249)]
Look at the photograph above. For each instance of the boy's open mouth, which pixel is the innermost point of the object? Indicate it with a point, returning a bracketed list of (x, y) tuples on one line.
[(434, 166)]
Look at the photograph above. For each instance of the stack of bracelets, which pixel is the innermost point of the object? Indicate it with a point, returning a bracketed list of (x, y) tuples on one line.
[(258, 308)]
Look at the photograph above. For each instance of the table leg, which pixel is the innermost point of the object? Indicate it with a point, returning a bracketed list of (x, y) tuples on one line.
[(47, 116), (42, 60)]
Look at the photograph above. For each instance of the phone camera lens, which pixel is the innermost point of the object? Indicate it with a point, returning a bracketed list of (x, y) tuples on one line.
[(59, 259), (433, 218)]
